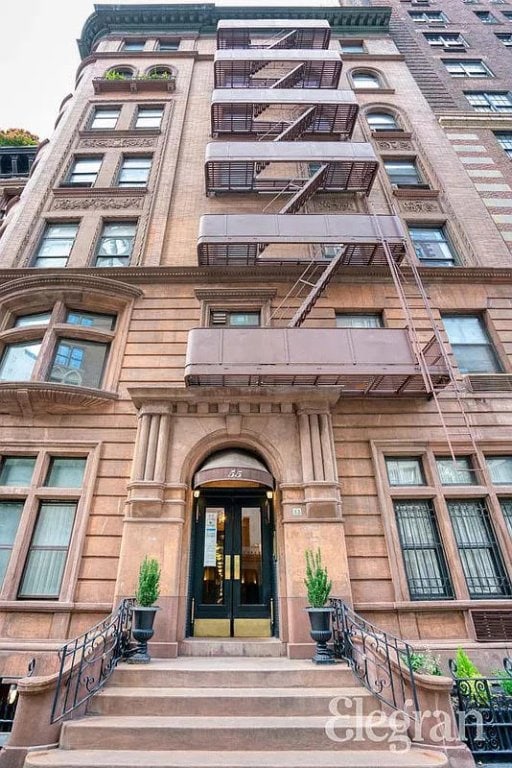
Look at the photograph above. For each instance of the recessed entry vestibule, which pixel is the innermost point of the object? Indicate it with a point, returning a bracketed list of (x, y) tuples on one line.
[(232, 565)]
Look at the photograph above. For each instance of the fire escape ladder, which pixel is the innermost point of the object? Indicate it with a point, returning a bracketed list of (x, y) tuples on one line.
[(316, 290), (307, 280), (286, 40), (291, 79), (299, 126), (299, 200)]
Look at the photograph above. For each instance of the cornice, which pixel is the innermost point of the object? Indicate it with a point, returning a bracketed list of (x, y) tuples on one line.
[(23, 281), (491, 121), (165, 19)]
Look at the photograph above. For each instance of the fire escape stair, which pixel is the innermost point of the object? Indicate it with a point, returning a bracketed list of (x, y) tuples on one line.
[(300, 198), (291, 79), (299, 126)]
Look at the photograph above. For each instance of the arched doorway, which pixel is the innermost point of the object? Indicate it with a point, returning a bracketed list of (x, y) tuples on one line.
[(232, 591)]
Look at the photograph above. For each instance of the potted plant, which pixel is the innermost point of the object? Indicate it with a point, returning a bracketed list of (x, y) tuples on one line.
[(144, 611), (318, 587)]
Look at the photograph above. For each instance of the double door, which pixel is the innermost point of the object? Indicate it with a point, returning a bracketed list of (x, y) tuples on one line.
[(232, 566)]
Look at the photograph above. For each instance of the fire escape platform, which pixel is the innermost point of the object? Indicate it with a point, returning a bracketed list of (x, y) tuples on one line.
[(239, 110), (306, 33), (240, 239), (376, 362), (243, 67), (242, 166)]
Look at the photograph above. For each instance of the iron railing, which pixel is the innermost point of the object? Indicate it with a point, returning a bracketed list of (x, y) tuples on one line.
[(87, 662), (382, 662), (484, 706), (9, 700)]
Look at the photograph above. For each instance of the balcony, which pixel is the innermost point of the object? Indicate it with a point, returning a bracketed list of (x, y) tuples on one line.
[(275, 33), (376, 362), (287, 166), (15, 162), (259, 239), (269, 113), (276, 68)]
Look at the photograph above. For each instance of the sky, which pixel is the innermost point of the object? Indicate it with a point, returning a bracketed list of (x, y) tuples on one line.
[(39, 55)]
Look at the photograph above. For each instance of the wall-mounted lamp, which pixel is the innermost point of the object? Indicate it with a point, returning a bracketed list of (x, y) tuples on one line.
[(197, 494), (270, 495)]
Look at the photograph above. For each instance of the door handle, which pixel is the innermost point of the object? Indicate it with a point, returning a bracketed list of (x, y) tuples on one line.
[(227, 567), (236, 567)]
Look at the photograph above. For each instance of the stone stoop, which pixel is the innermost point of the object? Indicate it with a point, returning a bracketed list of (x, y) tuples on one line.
[(236, 712)]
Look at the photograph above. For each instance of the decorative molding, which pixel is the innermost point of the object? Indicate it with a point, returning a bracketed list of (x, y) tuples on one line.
[(27, 399), (226, 294), (44, 280), (115, 141), (419, 206), (402, 145), (468, 120), (96, 203), (339, 203)]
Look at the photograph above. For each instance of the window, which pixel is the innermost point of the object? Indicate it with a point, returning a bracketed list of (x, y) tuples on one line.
[(424, 560), (500, 469), (403, 173), (365, 80), (352, 46), (479, 553), (105, 118), (234, 319), (132, 46), (445, 40), (406, 471), (506, 508), (490, 101), (17, 470), (470, 343), (10, 516), (134, 172), (505, 139), (432, 246), (381, 121), (65, 472), (55, 245), (486, 16), (507, 15), (84, 172), (115, 246), (149, 117), (426, 17), (458, 472), (120, 73), (359, 320), (75, 358), (467, 68), (168, 45), (505, 38)]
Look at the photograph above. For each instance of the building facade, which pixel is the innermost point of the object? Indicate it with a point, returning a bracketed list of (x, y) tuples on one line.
[(254, 299)]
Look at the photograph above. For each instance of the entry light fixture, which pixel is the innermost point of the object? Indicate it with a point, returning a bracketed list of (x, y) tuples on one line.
[(197, 493), (270, 495)]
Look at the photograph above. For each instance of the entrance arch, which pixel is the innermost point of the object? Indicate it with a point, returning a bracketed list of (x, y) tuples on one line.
[(232, 590)]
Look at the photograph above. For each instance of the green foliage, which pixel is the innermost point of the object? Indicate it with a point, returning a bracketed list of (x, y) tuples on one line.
[(425, 663), (464, 665), (114, 74), (505, 681), (466, 670), (17, 137), (148, 588), (316, 582)]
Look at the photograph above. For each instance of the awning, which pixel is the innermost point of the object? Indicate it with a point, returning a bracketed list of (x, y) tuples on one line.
[(233, 468)]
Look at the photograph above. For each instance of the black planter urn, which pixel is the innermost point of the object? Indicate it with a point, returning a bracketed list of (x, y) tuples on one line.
[(143, 619), (320, 620)]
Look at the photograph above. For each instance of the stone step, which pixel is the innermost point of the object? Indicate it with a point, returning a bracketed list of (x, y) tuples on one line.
[(271, 647), (224, 733), (235, 672), (231, 701), (99, 758)]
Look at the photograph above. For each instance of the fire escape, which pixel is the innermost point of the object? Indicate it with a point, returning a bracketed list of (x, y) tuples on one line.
[(283, 130)]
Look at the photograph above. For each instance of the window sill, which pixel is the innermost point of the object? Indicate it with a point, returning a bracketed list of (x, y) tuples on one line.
[(110, 133), (489, 382), (98, 191), (416, 193), (373, 90), (392, 134), (27, 398), (104, 85)]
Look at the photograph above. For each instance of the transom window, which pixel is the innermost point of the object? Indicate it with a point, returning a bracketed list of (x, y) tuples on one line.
[(365, 80), (505, 140), (352, 46), (403, 173), (69, 347), (115, 246), (105, 118), (486, 16), (470, 343), (432, 246), (467, 68), (505, 38), (149, 117), (458, 472), (490, 101), (55, 245), (134, 172), (445, 39), (405, 471), (358, 320), (381, 121), (234, 318), (84, 172), (422, 17)]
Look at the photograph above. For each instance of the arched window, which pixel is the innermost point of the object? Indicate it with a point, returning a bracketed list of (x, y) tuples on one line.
[(119, 73), (159, 72), (380, 120), (363, 79)]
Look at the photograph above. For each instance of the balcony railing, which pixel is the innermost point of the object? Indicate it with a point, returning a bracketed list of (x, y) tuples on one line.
[(248, 166), (282, 33), (15, 162), (376, 362), (249, 239), (268, 112), (268, 68)]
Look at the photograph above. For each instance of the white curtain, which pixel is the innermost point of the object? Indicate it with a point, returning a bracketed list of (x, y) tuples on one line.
[(48, 550)]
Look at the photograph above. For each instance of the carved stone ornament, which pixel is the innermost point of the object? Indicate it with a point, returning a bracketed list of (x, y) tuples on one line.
[(27, 399), (419, 206), (98, 142), (96, 203), (401, 144), (337, 204)]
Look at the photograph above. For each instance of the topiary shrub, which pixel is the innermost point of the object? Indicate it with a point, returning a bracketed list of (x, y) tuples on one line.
[(148, 589), (316, 582)]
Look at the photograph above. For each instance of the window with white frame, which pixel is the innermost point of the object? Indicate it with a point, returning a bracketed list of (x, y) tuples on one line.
[(115, 246), (84, 172), (403, 173), (490, 101), (55, 245), (365, 80), (471, 344), (432, 247), (428, 17), (105, 118), (379, 120), (505, 141), (149, 117), (467, 68), (358, 320), (445, 39), (134, 171)]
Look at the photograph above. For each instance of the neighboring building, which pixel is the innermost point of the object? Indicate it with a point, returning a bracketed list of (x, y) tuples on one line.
[(251, 304), (15, 164)]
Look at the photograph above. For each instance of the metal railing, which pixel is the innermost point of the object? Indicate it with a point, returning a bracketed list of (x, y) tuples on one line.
[(9, 700), (87, 662), (484, 706), (382, 662)]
